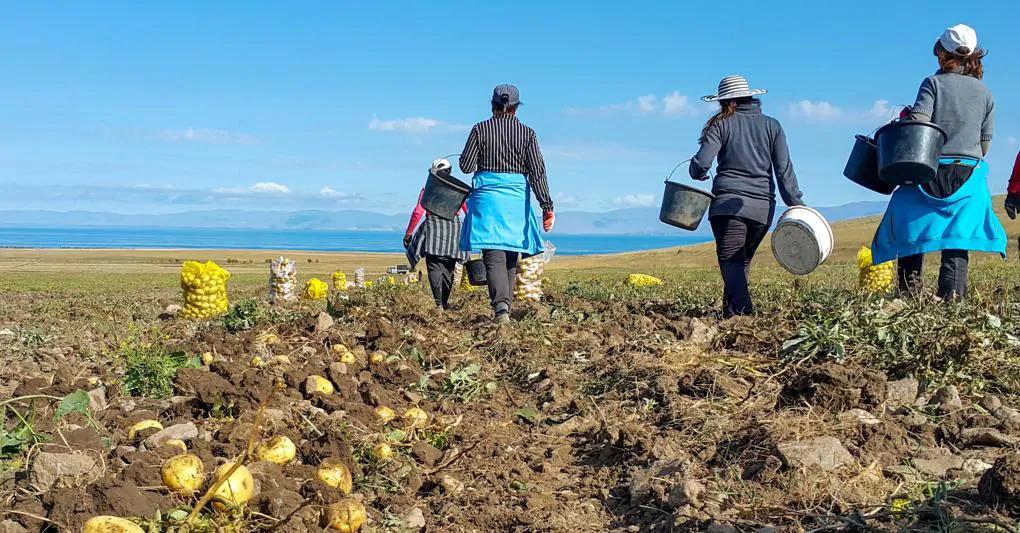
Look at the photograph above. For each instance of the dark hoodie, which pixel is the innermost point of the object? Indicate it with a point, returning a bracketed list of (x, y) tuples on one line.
[(751, 148)]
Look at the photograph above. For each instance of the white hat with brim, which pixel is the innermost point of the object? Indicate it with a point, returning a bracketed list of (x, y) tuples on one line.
[(733, 87)]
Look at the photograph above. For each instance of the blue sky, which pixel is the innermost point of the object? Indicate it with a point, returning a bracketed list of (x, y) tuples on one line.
[(160, 107)]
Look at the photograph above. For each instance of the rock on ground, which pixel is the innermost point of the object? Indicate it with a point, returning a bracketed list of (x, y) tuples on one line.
[(937, 461), (323, 322), (1000, 485), (826, 453), (902, 391), (64, 470)]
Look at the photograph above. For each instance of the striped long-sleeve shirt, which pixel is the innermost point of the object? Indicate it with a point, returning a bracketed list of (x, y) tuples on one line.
[(503, 144)]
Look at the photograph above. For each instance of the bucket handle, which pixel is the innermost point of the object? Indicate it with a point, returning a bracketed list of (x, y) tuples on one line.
[(893, 117), (678, 165)]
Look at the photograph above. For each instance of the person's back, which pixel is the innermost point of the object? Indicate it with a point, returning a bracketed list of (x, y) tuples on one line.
[(745, 157), (963, 106)]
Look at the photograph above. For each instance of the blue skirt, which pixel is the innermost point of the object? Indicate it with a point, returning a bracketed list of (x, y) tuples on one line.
[(500, 215), (916, 222)]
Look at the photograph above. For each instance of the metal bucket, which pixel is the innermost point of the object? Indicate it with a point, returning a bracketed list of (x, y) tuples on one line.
[(683, 206), (802, 240), (909, 151), (862, 167), (444, 194), (476, 274)]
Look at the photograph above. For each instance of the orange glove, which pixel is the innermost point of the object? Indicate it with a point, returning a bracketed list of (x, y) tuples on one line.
[(548, 221)]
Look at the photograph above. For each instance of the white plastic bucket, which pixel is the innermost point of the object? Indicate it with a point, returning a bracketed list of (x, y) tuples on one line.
[(802, 240)]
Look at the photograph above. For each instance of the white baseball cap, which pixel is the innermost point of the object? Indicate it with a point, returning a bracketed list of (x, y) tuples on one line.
[(960, 40)]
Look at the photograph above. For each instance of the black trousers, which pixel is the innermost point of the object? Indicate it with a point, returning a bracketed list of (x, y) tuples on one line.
[(501, 271), (952, 273), (440, 271), (736, 241)]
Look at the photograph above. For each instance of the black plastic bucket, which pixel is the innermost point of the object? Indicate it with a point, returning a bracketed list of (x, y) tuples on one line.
[(684, 206), (475, 270), (909, 151), (862, 167), (444, 194)]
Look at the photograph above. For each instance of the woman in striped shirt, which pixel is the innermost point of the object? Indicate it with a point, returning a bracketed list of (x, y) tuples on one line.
[(438, 241), (508, 166)]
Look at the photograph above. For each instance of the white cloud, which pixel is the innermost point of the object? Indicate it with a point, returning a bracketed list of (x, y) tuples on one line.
[(413, 125), (328, 192), (647, 103), (260, 188), (820, 111), (823, 111), (635, 200), (673, 104), (1013, 141), (566, 200), (206, 135), (270, 188)]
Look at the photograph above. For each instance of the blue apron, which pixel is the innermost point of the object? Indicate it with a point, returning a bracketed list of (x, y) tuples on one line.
[(499, 215), (916, 222)]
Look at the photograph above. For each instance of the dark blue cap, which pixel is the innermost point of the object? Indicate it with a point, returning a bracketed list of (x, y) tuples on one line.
[(506, 95)]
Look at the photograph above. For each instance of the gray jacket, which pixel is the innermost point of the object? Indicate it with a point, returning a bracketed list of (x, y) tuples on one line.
[(963, 106), (751, 148)]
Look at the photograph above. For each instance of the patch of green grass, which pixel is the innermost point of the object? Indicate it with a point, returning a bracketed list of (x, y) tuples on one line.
[(243, 315), (150, 368)]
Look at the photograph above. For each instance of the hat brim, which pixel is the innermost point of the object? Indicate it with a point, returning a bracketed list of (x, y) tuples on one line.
[(731, 96)]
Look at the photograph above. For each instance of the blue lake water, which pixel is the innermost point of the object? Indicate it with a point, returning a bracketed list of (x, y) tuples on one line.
[(310, 240)]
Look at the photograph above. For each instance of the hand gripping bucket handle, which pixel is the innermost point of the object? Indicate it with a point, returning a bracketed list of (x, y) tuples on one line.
[(683, 206)]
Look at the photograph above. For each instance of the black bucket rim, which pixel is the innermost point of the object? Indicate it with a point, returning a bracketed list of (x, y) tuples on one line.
[(936, 127), (870, 140), (686, 187), (452, 181)]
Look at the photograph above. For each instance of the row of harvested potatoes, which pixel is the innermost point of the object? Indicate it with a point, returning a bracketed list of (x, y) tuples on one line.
[(232, 484)]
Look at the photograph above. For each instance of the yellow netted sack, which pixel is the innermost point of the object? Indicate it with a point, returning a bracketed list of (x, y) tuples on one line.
[(316, 289), (339, 281), (461, 280), (874, 278), (205, 289), (643, 280)]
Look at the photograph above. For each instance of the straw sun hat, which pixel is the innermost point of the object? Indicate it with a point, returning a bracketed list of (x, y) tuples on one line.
[(733, 87)]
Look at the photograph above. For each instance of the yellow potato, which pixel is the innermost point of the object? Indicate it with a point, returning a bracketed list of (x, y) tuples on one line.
[(335, 473), (377, 357), (279, 449), (382, 452), (177, 443), (318, 384), (256, 362), (384, 415), (207, 358), (236, 490), (110, 524), (142, 426), (183, 474), (415, 418), (346, 515)]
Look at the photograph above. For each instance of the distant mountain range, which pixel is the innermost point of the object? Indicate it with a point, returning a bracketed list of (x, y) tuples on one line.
[(631, 221)]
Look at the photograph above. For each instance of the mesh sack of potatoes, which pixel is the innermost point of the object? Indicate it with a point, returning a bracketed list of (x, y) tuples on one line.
[(460, 279), (339, 280), (528, 286), (871, 277), (643, 280), (282, 280), (316, 289), (205, 289), (359, 278), (529, 279)]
